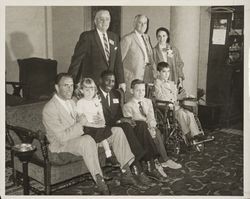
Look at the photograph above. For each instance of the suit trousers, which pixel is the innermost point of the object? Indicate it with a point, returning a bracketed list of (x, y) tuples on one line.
[(120, 146), (160, 146), (143, 135), (134, 144), (86, 147)]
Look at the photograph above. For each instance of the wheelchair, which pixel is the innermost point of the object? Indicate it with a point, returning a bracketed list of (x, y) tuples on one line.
[(169, 126)]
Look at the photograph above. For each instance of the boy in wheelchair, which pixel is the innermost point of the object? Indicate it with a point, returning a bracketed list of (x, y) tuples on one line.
[(166, 91)]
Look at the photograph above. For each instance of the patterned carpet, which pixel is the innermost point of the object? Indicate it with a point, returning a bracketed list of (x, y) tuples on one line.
[(216, 171)]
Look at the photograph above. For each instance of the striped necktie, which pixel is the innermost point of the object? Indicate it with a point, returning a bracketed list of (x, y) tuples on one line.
[(106, 46), (141, 109)]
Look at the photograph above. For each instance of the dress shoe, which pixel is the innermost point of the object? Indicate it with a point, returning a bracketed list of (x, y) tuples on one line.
[(171, 164), (130, 180), (145, 180), (107, 177), (101, 185), (160, 169), (111, 161), (154, 174)]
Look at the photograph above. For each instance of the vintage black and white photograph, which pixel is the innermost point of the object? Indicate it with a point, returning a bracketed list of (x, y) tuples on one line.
[(125, 100)]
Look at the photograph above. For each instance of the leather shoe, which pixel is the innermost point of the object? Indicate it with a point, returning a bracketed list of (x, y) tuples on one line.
[(154, 174), (130, 180), (107, 177), (145, 180), (111, 161), (101, 185)]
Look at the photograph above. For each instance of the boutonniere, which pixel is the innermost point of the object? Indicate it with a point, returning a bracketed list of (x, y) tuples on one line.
[(111, 42), (170, 52)]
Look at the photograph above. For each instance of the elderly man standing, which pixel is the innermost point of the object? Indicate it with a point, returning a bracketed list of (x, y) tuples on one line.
[(98, 50), (137, 54), (65, 134)]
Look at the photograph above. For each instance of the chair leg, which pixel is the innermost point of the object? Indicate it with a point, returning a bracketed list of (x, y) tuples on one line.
[(47, 179)]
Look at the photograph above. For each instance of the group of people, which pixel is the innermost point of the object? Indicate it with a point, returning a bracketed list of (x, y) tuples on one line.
[(78, 119)]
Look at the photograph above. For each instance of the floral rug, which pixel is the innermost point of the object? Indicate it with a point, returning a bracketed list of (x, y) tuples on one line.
[(218, 170)]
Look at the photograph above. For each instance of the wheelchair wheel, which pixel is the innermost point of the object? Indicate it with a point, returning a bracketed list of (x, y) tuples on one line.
[(173, 145), (199, 147)]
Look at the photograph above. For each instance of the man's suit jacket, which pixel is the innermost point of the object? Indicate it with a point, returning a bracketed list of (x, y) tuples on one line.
[(133, 57), (89, 58), (60, 125), (113, 112)]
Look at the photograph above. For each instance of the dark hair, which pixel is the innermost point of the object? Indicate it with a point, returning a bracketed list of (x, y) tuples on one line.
[(107, 73), (60, 76), (165, 30), (162, 65), (135, 82)]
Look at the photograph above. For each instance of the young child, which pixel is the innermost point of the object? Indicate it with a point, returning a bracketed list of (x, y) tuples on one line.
[(166, 90), (141, 109), (91, 107)]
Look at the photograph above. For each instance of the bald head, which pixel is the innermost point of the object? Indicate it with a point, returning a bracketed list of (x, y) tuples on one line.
[(102, 20)]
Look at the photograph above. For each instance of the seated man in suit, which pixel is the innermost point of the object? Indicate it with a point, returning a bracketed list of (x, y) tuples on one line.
[(65, 134), (141, 143)]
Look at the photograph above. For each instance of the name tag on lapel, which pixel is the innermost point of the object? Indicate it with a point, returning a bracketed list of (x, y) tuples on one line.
[(115, 101), (111, 42)]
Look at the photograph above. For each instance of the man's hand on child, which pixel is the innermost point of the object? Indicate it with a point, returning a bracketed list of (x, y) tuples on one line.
[(82, 119), (97, 119), (152, 132)]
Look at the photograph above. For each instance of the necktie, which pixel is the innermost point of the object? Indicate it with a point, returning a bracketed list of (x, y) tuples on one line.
[(107, 99), (106, 46), (141, 109)]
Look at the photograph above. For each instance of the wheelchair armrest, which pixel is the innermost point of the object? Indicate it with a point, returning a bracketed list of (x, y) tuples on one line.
[(163, 103)]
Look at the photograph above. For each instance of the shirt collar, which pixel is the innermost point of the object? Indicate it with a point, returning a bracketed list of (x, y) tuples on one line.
[(136, 100), (101, 33), (62, 102), (138, 34), (103, 92)]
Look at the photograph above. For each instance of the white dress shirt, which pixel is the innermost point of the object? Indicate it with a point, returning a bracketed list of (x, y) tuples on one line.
[(66, 104), (106, 95)]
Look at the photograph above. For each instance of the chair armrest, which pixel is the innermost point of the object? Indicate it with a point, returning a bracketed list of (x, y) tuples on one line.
[(27, 136), (17, 87)]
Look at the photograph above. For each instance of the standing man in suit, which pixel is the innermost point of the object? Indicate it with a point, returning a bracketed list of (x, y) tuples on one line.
[(137, 54), (65, 134), (98, 50)]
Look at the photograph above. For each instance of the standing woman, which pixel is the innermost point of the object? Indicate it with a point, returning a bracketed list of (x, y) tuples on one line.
[(166, 52)]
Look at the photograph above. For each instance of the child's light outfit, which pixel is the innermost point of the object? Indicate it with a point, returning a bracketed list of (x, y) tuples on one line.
[(167, 91), (92, 108), (146, 114)]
